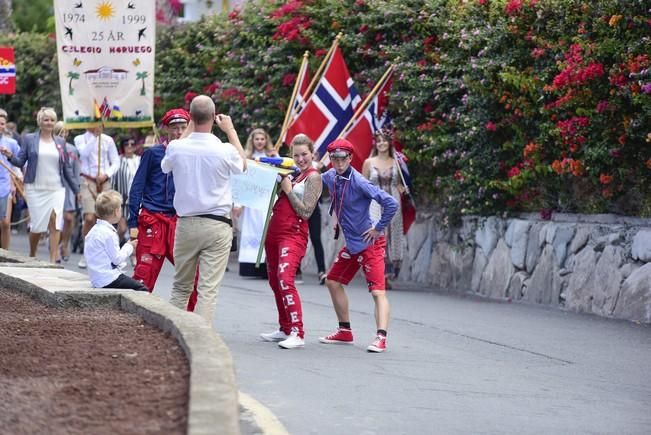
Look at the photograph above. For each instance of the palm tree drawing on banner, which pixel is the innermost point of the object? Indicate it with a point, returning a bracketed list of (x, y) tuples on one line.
[(72, 76), (142, 76)]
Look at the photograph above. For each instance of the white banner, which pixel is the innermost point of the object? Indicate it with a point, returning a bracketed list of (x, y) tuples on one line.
[(106, 51)]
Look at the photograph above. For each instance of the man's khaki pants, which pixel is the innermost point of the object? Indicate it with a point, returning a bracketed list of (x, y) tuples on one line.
[(208, 243)]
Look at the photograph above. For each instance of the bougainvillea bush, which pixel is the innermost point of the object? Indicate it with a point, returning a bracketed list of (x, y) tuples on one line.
[(501, 105)]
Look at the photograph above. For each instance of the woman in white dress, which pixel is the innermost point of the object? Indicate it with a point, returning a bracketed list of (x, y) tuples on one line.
[(251, 221), (47, 166)]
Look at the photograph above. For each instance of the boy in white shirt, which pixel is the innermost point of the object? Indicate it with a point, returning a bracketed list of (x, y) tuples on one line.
[(102, 250)]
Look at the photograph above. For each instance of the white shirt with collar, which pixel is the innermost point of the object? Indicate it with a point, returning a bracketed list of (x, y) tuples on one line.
[(103, 255), (87, 146), (202, 166)]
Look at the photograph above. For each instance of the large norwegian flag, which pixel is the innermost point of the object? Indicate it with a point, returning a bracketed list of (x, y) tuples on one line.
[(360, 134), (329, 108)]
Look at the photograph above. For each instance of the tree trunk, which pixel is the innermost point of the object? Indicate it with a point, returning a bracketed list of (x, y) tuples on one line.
[(5, 16)]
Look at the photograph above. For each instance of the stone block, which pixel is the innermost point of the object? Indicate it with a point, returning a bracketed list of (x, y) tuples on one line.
[(534, 246), (497, 275), (634, 301), (487, 234), (562, 237), (478, 265), (580, 239), (579, 292), (544, 285), (641, 249), (607, 280), (518, 285), (516, 239)]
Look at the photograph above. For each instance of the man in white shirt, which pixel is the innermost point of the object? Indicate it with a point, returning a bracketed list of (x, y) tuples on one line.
[(202, 166), (96, 170)]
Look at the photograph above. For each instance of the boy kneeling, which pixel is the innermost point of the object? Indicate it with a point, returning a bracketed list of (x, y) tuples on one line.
[(102, 249)]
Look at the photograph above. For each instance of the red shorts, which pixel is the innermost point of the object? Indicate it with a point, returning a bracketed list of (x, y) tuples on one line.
[(372, 261)]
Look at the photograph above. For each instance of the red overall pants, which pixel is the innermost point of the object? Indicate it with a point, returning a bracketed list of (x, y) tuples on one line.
[(155, 244), (285, 247)]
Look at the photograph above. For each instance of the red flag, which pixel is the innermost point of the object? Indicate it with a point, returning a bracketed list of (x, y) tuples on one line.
[(105, 108), (7, 71), (360, 134), (329, 108)]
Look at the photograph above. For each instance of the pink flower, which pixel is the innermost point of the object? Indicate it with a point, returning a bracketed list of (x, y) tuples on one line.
[(513, 7), (513, 172), (491, 126), (602, 106), (289, 79)]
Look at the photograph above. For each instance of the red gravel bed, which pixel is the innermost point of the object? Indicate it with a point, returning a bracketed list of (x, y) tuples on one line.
[(87, 371)]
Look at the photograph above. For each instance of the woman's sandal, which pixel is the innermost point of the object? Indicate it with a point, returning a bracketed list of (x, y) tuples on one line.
[(322, 278)]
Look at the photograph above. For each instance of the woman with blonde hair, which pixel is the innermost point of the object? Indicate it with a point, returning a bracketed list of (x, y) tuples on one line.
[(251, 221), (47, 166)]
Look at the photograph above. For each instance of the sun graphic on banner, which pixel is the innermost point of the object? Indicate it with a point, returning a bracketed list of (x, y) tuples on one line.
[(105, 10)]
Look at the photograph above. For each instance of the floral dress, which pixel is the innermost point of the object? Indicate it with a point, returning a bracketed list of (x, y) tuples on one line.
[(388, 180)]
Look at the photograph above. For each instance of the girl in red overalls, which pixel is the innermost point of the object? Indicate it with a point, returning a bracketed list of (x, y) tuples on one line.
[(287, 241)]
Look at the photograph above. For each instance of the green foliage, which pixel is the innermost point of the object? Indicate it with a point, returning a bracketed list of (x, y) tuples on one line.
[(33, 15), (502, 105)]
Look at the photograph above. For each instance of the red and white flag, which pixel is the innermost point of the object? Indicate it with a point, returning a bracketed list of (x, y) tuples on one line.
[(360, 134), (7, 71), (329, 108)]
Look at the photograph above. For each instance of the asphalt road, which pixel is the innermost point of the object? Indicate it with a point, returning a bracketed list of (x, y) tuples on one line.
[(454, 365)]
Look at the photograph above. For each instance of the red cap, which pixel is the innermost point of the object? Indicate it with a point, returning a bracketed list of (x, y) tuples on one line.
[(175, 115), (340, 145)]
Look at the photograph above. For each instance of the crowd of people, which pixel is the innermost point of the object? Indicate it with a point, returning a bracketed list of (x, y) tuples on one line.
[(173, 200)]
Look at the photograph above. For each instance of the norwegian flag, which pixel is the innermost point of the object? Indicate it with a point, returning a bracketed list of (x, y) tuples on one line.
[(105, 108), (329, 108), (7, 71), (360, 134)]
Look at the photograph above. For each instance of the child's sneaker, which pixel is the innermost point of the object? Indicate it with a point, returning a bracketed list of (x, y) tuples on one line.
[(292, 341), (378, 345), (275, 336), (340, 336)]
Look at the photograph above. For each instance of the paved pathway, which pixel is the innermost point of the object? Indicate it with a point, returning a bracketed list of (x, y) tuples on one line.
[(454, 366)]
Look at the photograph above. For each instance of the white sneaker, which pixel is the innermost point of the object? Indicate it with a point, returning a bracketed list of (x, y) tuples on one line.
[(82, 263), (292, 342), (275, 336)]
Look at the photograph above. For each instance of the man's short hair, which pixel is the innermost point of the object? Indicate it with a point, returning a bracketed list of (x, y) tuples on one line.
[(202, 109), (107, 202)]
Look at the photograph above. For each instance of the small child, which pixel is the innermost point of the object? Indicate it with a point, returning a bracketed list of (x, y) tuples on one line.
[(101, 247)]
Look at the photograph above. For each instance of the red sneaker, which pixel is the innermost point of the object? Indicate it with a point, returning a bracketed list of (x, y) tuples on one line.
[(378, 345), (340, 336)]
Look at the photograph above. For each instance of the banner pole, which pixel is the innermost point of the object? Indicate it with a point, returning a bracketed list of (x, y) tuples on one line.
[(292, 100), (266, 225)]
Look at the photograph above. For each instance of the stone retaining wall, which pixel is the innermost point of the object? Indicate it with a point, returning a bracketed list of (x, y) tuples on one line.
[(598, 264)]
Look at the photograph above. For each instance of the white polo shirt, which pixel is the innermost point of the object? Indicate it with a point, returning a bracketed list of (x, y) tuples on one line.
[(202, 166), (103, 254)]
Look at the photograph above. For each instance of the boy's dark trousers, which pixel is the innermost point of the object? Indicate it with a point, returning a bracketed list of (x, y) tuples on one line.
[(127, 282)]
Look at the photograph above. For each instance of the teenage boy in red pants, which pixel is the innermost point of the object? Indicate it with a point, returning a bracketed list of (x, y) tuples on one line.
[(351, 195), (152, 217)]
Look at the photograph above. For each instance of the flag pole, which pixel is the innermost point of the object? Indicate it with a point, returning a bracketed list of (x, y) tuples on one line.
[(290, 106), (362, 107), (326, 59), (315, 79)]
